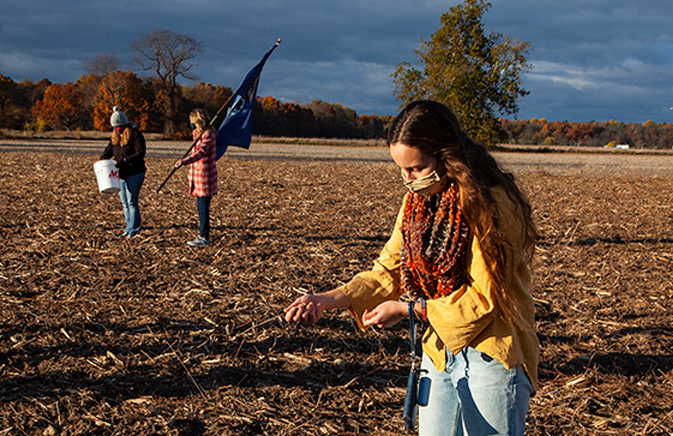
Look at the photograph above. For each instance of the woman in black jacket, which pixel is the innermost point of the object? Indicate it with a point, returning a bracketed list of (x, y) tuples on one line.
[(127, 149)]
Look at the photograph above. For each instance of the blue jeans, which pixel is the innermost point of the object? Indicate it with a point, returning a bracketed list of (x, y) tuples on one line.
[(203, 206), (129, 193), (474, 396)]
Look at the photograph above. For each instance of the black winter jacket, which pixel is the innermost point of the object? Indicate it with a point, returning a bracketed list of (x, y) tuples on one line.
[(130, 158)]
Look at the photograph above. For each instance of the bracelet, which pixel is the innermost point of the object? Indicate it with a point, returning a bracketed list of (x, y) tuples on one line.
[(424, 309)]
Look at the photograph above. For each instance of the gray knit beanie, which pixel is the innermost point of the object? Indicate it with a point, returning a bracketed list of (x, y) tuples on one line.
[(118, 118)]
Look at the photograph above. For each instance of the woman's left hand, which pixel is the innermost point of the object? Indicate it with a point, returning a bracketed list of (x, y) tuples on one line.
[(178, 164), (386, 314)]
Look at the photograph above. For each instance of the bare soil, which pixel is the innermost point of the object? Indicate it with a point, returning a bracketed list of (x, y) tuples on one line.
[(108, 336)]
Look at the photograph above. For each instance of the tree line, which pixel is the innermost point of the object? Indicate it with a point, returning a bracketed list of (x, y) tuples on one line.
[(87, 103), (649, 135)]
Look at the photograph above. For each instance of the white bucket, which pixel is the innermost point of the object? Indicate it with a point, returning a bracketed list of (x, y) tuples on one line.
[(108, 176)]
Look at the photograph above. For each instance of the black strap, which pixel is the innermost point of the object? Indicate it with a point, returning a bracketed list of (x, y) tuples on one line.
[(412, 334), (411, 400)]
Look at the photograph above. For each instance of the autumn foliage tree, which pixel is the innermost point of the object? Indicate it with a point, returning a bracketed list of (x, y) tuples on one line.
[(316, 119), (205, 96), (272, 116), (130, 93), (61, 107), (18, 100)]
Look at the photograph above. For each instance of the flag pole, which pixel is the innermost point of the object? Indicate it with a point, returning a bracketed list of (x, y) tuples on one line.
[(212, 121)]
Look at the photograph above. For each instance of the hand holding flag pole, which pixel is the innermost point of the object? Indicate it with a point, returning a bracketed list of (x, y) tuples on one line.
[(195, 142), (236, 128)]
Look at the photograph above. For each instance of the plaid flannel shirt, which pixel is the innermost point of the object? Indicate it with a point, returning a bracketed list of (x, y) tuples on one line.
[(202, 176)]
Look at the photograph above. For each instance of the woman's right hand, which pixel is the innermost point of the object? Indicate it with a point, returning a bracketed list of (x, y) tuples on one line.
[(386, 314)]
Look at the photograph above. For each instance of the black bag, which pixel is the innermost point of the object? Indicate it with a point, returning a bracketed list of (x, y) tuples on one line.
[(411, 400)]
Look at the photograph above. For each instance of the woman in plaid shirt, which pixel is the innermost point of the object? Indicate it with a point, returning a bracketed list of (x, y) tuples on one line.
[(202, 176)]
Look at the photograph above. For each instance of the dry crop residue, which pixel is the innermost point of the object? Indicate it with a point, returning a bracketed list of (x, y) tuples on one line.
[(109, 336)]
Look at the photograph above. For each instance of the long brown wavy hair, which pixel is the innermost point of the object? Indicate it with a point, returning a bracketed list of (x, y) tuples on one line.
[(434, 129)]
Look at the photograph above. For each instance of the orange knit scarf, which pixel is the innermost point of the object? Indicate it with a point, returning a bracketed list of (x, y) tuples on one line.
[(435, 245)]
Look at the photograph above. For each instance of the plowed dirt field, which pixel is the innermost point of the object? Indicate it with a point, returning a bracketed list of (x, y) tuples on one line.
[(148, 336)]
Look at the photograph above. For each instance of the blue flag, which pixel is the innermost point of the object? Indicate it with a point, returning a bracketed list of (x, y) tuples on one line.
[(236, 129)]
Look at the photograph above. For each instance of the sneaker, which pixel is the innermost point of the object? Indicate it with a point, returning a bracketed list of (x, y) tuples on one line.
[(123, 235), (199, 242)]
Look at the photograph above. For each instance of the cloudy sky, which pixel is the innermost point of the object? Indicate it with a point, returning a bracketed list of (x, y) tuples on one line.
[(592, 59)]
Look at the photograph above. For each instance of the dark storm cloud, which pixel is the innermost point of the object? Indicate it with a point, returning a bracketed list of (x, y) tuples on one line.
[(592, 59)]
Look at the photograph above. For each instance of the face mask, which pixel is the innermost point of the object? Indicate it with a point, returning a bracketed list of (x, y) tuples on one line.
[(428, 185), (192, 126)]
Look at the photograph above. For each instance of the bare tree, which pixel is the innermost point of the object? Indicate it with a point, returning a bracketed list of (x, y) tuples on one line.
[(100, 67), (168, 55)]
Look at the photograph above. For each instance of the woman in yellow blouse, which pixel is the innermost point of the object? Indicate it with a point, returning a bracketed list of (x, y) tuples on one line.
[(461, 248)]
